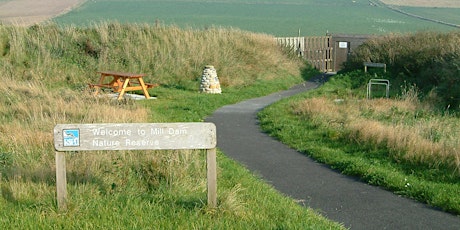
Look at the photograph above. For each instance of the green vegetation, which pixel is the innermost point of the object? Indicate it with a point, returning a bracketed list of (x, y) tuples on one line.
[(407, 144), (44, 72), (280, 18), (428, 60)]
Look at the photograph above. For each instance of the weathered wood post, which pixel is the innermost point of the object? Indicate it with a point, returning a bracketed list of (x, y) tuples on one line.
[(211, 163), (61, 181)]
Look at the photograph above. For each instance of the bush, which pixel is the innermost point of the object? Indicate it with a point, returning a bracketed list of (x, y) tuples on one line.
[(429, 60)]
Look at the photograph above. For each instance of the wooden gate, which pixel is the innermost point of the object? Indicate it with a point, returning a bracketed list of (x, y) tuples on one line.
[(317, 50)]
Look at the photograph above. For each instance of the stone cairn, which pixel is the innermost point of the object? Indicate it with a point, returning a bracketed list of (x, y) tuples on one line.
[(209, 80)]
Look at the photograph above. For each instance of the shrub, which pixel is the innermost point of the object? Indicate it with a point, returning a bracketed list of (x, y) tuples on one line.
[(429, 60)]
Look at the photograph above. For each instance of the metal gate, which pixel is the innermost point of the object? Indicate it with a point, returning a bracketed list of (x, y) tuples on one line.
[(317, 50)]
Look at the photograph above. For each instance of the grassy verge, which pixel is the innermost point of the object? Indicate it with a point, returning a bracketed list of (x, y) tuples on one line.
[(137, 191), (44, 71), (398, 144)]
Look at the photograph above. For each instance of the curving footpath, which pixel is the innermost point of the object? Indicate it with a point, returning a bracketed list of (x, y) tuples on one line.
[(338, 197)]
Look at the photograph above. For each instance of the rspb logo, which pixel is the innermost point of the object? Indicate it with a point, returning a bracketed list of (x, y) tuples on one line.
[(71, 137)]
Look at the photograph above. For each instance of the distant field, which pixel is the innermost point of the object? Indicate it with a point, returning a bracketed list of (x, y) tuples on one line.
[(450, 15), (424, 3), (30, 12), (280, 18), (446, 11)]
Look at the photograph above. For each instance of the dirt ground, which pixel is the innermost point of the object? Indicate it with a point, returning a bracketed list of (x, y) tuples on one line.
[(424, 3), (29, 12)]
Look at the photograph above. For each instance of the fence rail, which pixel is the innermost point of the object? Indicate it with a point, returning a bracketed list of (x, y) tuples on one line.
[(296, 44)]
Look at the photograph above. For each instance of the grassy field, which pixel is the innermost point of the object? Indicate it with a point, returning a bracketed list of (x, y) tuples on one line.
[(449, 15), (424, 3), (279, 18), (45, 71)]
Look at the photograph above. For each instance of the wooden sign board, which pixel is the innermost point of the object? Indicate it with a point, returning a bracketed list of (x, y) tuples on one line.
[(374, 64), (134, 136)]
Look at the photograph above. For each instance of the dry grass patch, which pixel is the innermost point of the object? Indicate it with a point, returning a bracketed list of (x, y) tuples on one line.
[(31, 113), (393, 124)]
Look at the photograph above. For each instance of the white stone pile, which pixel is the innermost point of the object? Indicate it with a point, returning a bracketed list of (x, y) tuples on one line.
[(210, 81)]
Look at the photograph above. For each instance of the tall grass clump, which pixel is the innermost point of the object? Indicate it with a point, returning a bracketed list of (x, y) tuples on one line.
[(429, 60), (409, 133), (169, 55)]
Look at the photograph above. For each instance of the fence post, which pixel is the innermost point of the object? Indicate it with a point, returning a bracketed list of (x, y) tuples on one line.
[(61, 181), (212, 177)]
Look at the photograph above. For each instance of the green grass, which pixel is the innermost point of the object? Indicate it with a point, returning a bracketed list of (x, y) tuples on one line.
[(279, 18), (136, 191), (168, 205), (179, 105), (329, 142), (45, 69)]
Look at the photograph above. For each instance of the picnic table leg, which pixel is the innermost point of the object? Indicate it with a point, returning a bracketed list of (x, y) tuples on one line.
[(97, 90), (123, 89), (144, 88), (116, 84), (101, 80)]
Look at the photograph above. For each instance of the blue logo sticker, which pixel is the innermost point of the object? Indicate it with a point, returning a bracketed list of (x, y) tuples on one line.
[(71, 137)]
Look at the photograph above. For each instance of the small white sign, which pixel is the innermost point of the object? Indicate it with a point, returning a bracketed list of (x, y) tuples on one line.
[(343, 45), (71, 137)]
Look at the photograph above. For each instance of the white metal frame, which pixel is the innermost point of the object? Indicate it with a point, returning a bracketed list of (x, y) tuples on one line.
[(378, 82)]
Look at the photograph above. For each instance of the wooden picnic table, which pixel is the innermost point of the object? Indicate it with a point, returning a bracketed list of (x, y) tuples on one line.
[(122, 82)]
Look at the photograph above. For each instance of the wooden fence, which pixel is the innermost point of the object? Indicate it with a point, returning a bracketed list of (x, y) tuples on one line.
[(317, 50), (295, 44)]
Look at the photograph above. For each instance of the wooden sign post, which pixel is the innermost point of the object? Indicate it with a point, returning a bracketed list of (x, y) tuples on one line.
[(135, 136)]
